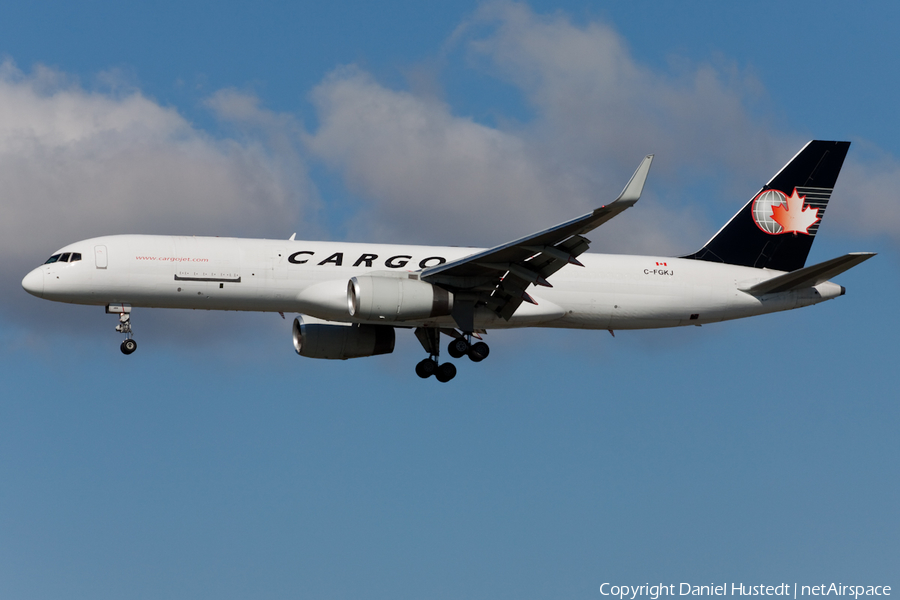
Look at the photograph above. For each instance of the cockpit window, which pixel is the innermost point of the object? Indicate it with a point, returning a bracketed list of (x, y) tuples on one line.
[(64, 257)]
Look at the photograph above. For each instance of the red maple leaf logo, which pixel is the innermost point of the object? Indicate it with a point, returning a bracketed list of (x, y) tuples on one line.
[(793, 216)]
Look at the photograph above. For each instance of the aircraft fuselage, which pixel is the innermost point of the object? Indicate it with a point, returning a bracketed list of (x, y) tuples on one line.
[(211, 273)]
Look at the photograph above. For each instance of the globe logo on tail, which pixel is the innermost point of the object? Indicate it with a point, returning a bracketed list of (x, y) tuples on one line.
[(775, 213)]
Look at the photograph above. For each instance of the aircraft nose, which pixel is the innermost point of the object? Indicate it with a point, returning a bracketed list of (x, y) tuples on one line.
[(34, 283)]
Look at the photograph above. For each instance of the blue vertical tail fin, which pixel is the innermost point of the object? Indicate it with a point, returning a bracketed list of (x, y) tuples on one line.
[(776, 228)]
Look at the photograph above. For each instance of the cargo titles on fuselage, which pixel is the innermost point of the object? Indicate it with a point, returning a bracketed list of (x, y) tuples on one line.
[(365, 260)]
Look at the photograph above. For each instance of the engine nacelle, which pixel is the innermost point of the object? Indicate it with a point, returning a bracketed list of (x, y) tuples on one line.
[(314, 338), (373, 297)]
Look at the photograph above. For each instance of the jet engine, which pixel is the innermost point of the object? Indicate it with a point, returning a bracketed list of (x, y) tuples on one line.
[(315, 338), (387, 298)]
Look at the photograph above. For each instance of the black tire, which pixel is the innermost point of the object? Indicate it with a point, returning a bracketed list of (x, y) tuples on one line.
[(458, 348), (479, 351), (128, 346), (426, 368), (445, 372)]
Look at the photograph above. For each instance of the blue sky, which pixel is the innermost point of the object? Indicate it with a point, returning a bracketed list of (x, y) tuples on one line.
[(215, 463)]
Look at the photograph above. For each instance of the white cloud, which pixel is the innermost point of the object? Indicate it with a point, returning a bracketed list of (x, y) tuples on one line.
[(429, 173), (594, 100), (434, 176), (867, 194), (77, 163), (597, 106)]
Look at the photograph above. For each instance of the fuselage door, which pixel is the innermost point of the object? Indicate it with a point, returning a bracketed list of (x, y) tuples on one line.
[(100, 256)]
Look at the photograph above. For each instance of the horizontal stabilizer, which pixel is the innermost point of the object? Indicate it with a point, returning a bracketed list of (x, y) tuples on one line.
[(808, 276)]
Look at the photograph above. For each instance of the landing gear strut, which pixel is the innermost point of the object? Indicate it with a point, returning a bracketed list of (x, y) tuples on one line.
[(124, 311)]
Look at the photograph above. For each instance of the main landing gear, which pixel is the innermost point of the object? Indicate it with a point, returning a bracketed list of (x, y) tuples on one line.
[(460, 346), (124, 311), (463, 346), (429, 366)]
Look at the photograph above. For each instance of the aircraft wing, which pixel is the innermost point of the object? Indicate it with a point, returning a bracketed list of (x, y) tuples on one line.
[(498, 277)]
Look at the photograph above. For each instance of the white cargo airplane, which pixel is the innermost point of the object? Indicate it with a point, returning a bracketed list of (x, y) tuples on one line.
[(351, 297)]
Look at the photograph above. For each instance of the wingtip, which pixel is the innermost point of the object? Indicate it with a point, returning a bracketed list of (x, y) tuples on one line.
[(632, 191)]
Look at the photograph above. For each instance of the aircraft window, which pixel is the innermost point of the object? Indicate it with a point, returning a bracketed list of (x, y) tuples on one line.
[(75, 256), (65, 257), (52, 259)]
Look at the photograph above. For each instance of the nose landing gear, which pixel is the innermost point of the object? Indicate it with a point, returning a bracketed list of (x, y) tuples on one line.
[(124, 311)]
